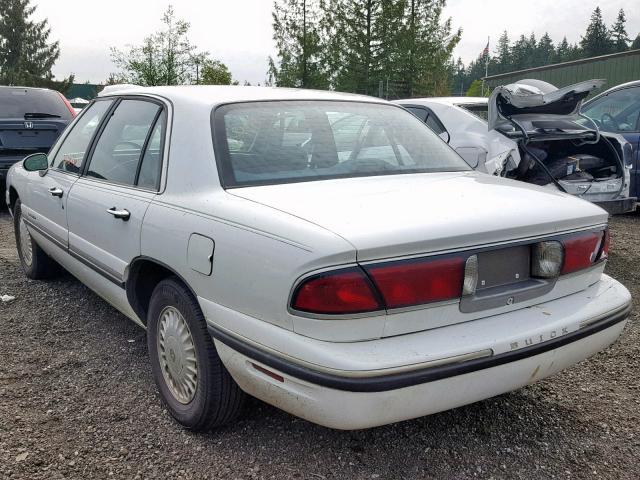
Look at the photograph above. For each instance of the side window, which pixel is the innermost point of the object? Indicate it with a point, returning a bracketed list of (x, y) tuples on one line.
[(119, 149), (70, 156), (421, 113), (617, 112), (149, 176), (435, 124)]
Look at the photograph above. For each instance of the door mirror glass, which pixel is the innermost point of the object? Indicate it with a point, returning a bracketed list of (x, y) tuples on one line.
[(36, 162)]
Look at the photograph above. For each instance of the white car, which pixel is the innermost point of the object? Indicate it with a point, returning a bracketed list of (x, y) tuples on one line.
[(349, 266), (533, 132)]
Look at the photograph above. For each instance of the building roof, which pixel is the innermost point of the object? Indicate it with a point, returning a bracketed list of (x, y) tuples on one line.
[(564, 64)]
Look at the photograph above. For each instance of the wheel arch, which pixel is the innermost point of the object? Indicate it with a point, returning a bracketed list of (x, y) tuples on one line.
[(13, 197), (144, 273)]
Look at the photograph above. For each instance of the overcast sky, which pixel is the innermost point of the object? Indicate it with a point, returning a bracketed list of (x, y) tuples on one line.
[(238, 32)]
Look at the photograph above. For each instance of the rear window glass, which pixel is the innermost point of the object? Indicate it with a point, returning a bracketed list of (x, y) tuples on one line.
[(18, 102), (478, 110), (262, 143)]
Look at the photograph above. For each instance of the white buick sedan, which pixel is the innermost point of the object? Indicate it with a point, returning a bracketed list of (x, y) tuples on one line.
[(326, 253)]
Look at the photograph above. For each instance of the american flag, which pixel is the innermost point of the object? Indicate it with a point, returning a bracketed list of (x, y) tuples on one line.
[(485, 52)]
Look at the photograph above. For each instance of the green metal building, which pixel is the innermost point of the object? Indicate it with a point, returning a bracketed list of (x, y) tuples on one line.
[(616, 68)]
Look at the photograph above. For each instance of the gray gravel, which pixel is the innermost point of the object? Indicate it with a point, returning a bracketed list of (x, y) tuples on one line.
[(77, 401)]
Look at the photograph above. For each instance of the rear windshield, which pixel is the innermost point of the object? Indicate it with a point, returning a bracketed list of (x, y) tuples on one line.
[(261, 143), (478, 110), (18, 102)]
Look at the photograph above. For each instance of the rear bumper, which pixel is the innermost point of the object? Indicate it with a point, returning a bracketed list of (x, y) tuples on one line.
[(621, 205), (347, 399)]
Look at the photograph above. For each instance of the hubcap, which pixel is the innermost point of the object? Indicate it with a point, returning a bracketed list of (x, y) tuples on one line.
[(25, 243), (177, 355)]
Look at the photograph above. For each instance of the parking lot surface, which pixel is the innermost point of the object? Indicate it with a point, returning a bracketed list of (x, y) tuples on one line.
[(77, 400)]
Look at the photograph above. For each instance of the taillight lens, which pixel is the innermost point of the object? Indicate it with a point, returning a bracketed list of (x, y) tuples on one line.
[(582, 251), (546, 259), (344, 291), (414, 282)]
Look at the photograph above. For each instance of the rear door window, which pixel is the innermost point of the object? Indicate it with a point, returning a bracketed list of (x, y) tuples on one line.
[(70, 156), (120, 148)]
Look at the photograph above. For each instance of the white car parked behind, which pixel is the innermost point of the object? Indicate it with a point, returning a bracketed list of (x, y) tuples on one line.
[(326, 253), (533, 132)]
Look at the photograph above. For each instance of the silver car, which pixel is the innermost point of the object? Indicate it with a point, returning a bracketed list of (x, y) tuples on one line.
[(326, 253)]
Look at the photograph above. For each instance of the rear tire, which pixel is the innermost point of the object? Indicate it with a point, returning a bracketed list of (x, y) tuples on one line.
[(36, 264), (193, 383)]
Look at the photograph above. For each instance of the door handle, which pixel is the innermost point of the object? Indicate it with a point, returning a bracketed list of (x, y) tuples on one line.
[(56, 192), (121, 214)]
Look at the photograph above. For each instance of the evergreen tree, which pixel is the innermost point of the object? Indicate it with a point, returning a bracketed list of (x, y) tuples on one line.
[(563, 51), (26, 54), (296, 32), (427, 44), (636, 43), (545, 51), (619, 35), (597, 39), (503, 54), (358, 43)]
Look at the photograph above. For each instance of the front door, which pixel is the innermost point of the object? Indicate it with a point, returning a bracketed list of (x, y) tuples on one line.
[(107, 204), (47, 198)]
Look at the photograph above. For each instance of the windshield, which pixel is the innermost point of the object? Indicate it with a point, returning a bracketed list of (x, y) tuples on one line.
[(262, 143), (478, 109), (21, 102)]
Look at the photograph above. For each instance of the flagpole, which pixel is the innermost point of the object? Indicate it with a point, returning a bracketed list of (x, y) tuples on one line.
[(486, 65)]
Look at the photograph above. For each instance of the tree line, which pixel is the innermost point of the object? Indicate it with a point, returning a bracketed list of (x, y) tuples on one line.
[(529, 52), (389, 48)]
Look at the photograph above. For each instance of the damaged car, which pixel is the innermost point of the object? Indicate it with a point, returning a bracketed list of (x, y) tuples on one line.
[(533, 132)]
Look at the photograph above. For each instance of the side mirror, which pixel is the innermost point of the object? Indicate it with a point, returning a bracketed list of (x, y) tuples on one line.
[(37, 162), (445, 136)]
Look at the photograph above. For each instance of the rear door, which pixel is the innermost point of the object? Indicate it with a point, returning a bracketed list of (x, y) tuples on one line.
[(47, 197), (108, 203)]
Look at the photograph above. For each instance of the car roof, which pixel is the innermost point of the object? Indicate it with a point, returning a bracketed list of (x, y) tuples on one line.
[(445, 100), (211, 95), (634, 83)]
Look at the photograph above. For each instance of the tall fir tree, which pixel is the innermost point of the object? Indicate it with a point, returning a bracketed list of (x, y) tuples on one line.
[(427, 43), (503, 54), (26, 53), (619, 35), (545, 51), (299, 45), (597, 39), (636, 43)]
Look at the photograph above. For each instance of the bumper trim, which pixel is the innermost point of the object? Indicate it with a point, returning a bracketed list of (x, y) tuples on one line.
[(383, 383)]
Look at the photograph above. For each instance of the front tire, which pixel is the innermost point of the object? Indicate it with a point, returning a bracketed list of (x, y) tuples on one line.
[(35, 262), (194, 385)]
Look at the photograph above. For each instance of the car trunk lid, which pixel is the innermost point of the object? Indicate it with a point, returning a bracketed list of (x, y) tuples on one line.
[(533, 108), (400, 215)]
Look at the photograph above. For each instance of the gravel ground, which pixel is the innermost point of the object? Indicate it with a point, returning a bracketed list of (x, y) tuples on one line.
[(77, 401)]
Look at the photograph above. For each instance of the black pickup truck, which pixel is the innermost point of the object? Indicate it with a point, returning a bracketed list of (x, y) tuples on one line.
[(31, 119)]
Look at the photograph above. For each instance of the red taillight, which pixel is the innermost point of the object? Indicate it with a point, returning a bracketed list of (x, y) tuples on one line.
[(340, 292), (68, 105), (582, 251), (414, 282)]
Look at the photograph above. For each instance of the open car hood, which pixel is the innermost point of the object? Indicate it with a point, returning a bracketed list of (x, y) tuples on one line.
[(540, 109)]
